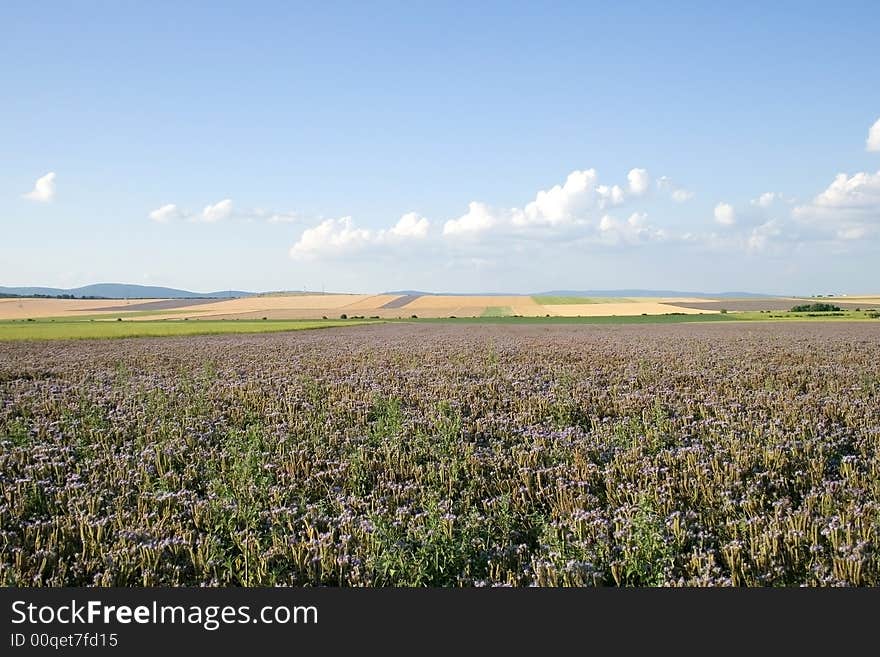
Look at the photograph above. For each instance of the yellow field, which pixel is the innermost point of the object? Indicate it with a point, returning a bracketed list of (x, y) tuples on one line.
[(631, 308), (36, 308), (468, 306), (315, 306)]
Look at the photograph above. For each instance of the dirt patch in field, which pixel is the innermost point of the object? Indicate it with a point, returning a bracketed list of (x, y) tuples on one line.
[(402, 301), (165, 304)]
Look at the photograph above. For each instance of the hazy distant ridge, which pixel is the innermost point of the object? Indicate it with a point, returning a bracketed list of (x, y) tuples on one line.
[(123, 291), (127, 291), (596, 293)]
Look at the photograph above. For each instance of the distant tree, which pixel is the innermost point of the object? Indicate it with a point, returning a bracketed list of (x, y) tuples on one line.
[(815, 308)]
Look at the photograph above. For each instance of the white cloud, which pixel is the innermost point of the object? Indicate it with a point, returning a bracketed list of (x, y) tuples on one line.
[(561, 203), (479, 218), (44, 189), (331, 237), (873, 141), (861, 191), (411, 225), (217, 211), (165, 214), (763, 234), (849, 207), (725, 214), (632, 231), (337, 237), (571, 211), (277, 217), (639, 181), (681, 195), (766, 199), (613, 195), (676, 193)]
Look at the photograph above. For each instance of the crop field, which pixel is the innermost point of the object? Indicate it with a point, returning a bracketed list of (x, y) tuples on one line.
[(83, 329), (710, 454), (309, 306)]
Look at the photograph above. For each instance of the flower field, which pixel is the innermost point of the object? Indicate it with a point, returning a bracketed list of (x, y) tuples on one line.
[(711, 454)]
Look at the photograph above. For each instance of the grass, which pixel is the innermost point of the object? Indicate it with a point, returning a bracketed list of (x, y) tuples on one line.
[(562, 301), (107, 326), (66, 330), (843, 315), (111, 315)]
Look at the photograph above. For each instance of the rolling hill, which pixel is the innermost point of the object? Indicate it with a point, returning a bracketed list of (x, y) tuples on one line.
[(123, 291)]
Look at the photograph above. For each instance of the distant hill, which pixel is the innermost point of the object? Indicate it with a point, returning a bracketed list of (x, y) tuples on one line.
[(597, 293), (418, 293), (122, 291), (651, 293)]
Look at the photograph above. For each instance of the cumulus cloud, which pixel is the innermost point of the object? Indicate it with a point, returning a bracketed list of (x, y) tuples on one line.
[(479, 218), (633, 230), (217, 211), (766, 199), (725, 214), (849, 207), (338, 237), (639, 181), (331, 237), (165, 214), (411, 225), (44, 189), (560, 203), (676, 193), (613, 195), (761, 235), (575, 210), (873, 141), (681, 195)]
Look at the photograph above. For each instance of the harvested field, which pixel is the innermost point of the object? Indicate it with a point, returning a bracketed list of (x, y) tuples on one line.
[(24, 308), (162, 304), (472, 305), (385, 306), (778, 303), (401, 301), (627, 308), (735, 305), (722, 454)]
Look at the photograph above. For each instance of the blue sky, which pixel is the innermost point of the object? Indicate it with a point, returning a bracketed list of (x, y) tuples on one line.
[(506, 147)]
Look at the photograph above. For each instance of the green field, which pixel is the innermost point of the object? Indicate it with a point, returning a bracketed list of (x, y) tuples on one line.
[(81, 329), (572, 301), (108, 327)]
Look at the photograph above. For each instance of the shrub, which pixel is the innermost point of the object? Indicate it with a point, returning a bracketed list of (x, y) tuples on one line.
[(343, 316), (815, 308)]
